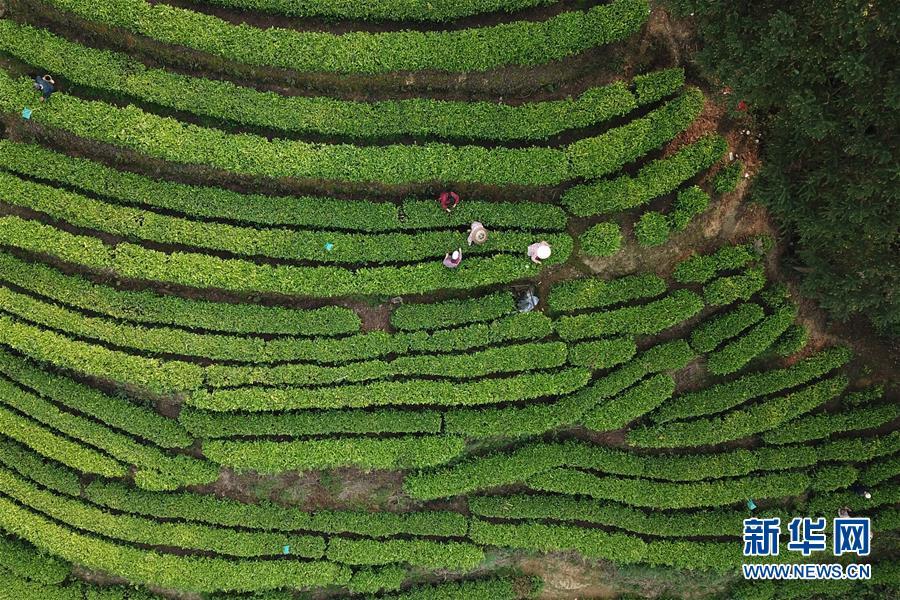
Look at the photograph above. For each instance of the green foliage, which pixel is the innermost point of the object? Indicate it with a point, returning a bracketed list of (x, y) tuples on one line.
[(652, 229), (264, 456), (456, 556), (602, 354), (655, 179), (201, 270), (828, 161), (117, 73), (791, 341), (320, 213), (702, 268), (658, 84), (731, 288), (814, 427), (409, 392), (477, 49), (112, 410), (535, 419), (721, 327), (689, 203), (726, 395), (450, 313), (30, 464), (594, 292), (634, 403), (370, 581), (200, 574), (264, 515), (649, 318), (734, 355), (85, 517), (210, 425), (739, 423), (277, 243), (728, 177), (603, 239), (499, 588), (25, 561)]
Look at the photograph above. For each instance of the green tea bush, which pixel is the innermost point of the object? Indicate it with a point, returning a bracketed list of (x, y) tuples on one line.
[(702, 268), (734, 355), (649, 318), (731, 288), (198, 574), (689, 203), (728, 177), (450, 313), (151, 308), (709, 334), (371, 581), (658, 84), (410, 392), (602, 239), (456, 556), (25, 561), (818, 426), (498, 588), (477, 49), (655, 179), (602, 354), (267, 516), (118, 73), (632, 404), (28, 463), (320, 213), (594, 292), (264, 456), (739, 423), (726, 395), (791, 341), (652, 229)]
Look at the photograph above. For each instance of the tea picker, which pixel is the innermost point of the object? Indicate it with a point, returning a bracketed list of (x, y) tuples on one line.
[(45, 85)]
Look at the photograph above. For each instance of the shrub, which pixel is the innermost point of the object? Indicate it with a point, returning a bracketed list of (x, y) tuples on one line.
[(791, 341), (731, 288), (602, 354), (652, 229), (25, 561), (112, 410), (456, 556), (603, 239), (320, 213), (713, 332), (737, 353), (689, 203), (649, 318), (664, 495), (125, 77), (370, 581), (450, 313), (634, 403), (34, 466), (264, 515), (728, 177), (198, 574), (658, 84), (274, 457), (499, 588), (594, 292), (726, 395), (476, 49), (85, 517), (410, 392), (204, 271), (657, 178), (702, 268), (739, 423), (210, 425)]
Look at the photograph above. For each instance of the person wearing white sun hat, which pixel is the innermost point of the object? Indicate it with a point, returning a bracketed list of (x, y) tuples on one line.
[(539, 251), (452, 259)]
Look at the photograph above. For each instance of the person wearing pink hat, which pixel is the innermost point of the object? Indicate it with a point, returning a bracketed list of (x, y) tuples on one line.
[(452, 259), (539, 251)]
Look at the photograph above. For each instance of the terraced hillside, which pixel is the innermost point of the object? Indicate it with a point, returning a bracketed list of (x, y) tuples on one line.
[(233, 363)]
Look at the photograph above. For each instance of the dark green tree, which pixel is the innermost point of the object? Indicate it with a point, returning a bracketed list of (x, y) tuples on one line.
[(821, 78)]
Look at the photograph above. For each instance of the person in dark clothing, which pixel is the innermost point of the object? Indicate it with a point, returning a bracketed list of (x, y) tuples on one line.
[(45, 85), (858, 489)]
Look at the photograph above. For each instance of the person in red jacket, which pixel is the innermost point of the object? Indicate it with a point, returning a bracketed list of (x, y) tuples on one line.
[(448, 200)]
